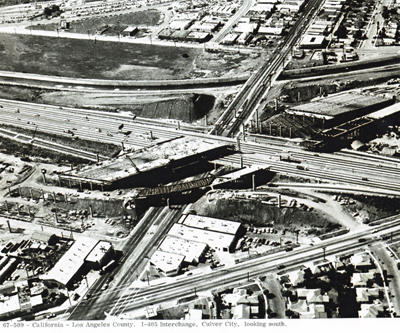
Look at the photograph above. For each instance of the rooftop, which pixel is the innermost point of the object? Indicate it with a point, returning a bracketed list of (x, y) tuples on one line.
[(210, 223), (167, 261), (71, 261), (190, 249), (98, 251), (340, 103), (213, 239)]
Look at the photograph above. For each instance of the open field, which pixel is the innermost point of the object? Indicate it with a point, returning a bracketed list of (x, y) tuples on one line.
[(113, 60), (90, 59)]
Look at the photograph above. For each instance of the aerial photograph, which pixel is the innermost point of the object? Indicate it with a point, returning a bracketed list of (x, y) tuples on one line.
[(198, 164)]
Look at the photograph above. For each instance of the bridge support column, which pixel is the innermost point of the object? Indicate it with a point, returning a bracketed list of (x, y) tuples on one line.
[(7, 206), (290, 132), (279, 201), (80, 185), (238, 143), (91, 186), (253, 181), (270, 128), (241, 161)]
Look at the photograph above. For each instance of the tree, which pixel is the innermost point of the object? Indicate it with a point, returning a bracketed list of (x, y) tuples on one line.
[(358, 34), (341, 32)]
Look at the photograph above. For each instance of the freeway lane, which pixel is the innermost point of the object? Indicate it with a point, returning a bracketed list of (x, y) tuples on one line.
[(349, 169)]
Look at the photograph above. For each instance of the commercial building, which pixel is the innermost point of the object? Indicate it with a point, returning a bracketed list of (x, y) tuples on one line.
[(70, 265), (193, 251), (230, 39), (100, 255), (180, 24), (168, 263), (210, 223), (341, 107), (246, 27), (313, 42), (215, 240), (270, 31), (130, 31)]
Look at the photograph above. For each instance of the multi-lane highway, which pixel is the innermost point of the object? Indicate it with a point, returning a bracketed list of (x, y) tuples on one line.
[(254, 89), (137, 249), (134, 299), (104, 127)]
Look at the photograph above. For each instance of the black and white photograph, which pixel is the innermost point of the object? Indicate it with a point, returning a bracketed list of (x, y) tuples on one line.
[(199, 165)]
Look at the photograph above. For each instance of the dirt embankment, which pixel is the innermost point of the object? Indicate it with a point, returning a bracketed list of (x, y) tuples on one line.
[(257, 214)]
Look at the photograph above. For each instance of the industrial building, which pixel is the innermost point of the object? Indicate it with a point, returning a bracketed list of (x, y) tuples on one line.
[(167, 262), (218, 234), (215, 240), (341, 107), (210, 223), (148, 166), (193, 251), (100, 255), (365, 127), (313, 42), (68, 268), (129, 31)]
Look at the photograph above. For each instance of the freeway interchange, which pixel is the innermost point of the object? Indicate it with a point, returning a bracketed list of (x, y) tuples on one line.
[(123, 295)]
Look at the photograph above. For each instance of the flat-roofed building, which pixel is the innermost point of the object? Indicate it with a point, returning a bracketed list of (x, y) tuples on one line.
[(168, 263), (210, 223), (130, 31), (230, 39), (270, 31), (180, 24), (313, 42), (246, 27), (68, 267), (215, 240), (193, 251), (198, 36), (100, 254)]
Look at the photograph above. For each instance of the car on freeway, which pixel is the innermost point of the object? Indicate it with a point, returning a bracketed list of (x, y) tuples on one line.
[(104, 287)]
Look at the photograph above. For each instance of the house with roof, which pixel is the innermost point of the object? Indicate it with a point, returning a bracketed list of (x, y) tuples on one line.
[(362, 279), (371, 310), (367, 295), (312, 295)]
